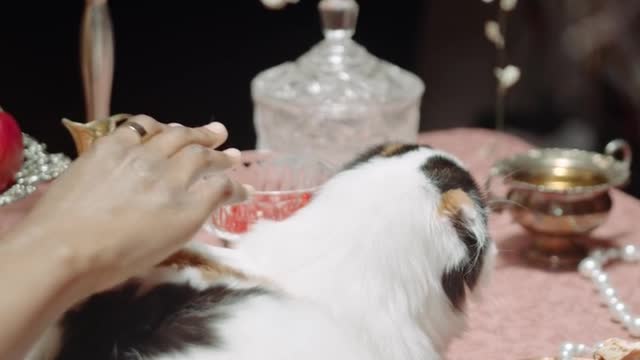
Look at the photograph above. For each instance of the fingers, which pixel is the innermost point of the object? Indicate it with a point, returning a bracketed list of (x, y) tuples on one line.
[(163, 140), (130, 137), (215, 190), (193, 161), (174, 138)]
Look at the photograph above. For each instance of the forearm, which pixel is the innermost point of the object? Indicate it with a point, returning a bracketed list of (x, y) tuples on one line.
[(38, 284)]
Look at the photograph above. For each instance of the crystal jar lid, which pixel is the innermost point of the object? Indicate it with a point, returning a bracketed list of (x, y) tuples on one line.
[(337, 70)]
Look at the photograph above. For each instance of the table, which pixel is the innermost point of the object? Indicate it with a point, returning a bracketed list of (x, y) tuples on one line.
[(527, 312), (524, 312)]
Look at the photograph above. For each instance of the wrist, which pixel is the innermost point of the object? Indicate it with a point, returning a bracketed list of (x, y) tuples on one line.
[(41, 252), (42, 280)]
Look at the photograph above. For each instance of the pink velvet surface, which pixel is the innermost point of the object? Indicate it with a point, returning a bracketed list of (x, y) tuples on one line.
[(524, 312), (527, 312)]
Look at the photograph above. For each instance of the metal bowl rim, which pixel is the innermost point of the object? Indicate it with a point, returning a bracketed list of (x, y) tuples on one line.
[(616, 173)]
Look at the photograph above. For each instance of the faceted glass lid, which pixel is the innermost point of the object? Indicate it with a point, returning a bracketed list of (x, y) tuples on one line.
[(338, 70)]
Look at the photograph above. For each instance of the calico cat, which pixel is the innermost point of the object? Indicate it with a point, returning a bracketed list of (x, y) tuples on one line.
[(378, 266)]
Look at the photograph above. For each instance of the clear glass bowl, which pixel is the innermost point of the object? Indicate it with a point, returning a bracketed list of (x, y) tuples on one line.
[(337, 99), (284, 183)]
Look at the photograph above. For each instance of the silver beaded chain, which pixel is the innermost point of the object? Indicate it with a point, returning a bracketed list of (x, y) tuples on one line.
[(38, 166), (591, 268)]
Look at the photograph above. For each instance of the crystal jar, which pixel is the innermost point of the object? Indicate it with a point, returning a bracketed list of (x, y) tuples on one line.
[(337, 99)]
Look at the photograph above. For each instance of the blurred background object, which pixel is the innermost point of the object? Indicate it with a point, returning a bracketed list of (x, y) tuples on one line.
[(192, 61)]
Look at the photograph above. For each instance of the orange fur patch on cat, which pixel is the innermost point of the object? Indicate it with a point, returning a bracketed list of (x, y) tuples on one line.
[(452, 201), (391, 149), (211, 269)]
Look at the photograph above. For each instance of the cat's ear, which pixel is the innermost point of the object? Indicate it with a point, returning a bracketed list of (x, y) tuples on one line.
[(453, 202), (468, 222)]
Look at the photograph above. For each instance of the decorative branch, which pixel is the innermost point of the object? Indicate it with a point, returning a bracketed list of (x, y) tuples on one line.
[(507, 75)]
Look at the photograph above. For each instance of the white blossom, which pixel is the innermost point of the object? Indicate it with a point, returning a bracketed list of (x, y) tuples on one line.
[(508, 5), (277, 4), (493, 33), (507, 76)]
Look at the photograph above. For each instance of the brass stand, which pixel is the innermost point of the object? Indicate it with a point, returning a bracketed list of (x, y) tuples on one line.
[(555, 252), (96, 58)]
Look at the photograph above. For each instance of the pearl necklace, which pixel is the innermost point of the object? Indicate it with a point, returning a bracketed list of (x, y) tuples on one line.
[(570, 350), (591, 268), (38, 166)]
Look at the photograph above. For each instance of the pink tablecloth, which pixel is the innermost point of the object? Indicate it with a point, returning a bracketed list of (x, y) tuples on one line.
[(528, 312), (525, 312)]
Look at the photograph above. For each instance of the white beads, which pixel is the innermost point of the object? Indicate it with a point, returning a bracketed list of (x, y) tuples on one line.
[(609, 292), (619, 315), (587, 266), (630, 253), (606, 294), (612, 254), (567, 346), (619, 308), (634, 327), (569, 350), (591, 268), (602, 281), (612, 302), (566, 355), (597, 255), (595, 273)]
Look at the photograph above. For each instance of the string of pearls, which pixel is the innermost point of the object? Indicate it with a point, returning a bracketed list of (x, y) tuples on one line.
[(38, 166), (570, 350), (591, 268)]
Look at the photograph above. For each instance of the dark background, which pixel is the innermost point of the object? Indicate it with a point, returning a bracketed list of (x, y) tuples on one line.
[(189, 61), (180, 61)]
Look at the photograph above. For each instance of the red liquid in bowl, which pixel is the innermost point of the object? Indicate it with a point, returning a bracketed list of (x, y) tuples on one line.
[(237, 219)]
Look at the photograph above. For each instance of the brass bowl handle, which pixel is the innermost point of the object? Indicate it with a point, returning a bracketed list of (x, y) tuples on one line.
[(621, 148), (491, 197), (85, 134)]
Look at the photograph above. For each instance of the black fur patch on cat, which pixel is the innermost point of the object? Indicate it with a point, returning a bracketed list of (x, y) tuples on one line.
[(383, 150), (446, 175), (121, 324), (466, 273)]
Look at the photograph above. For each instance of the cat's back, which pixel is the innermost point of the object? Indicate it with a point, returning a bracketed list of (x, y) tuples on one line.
[(193, 308), (279, 328)]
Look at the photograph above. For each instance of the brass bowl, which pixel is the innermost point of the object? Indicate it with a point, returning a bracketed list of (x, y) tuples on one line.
[(85, 134), (560, 196)]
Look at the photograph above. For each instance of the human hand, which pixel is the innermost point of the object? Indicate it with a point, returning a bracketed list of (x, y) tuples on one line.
[(125, 205)]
